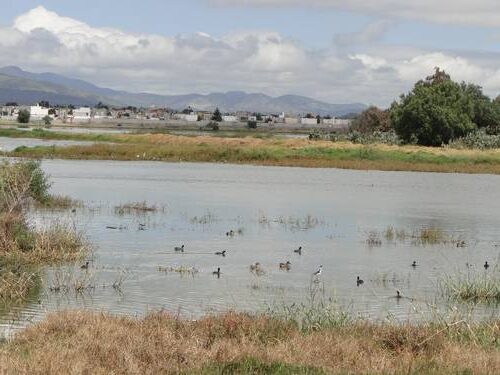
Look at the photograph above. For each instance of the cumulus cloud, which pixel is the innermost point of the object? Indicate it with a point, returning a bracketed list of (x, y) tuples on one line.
[(461, 12), (253, 61)]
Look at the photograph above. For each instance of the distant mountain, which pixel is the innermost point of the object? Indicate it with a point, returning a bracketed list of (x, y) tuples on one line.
[(25, 87)]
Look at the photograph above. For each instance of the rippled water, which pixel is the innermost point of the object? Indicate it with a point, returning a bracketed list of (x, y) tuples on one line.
[(327, 211)]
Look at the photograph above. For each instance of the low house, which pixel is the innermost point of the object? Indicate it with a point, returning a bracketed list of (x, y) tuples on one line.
[(291, 120), (308, 121), (38, 113), (229, 118), (82, 114)]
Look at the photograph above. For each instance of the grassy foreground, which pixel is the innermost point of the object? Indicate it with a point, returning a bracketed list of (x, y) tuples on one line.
[(84, 342), (251, 150)]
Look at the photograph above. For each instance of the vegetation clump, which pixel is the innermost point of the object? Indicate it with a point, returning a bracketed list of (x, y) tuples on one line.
[(473, 286), (22, 246)]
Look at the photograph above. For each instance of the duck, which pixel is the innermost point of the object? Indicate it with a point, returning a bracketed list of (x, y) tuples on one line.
[(85, 266), (179, 249), (298, 251), (255, 267), (319, 271), (398, 294), (216, 273), (461, 243), (359, 281), (221, 253), (414, 264), (486, 265), (230, 233), (285, 266)]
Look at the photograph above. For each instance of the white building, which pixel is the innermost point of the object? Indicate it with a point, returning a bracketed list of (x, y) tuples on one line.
[(291, 120), (82, 114), (308, 121), (229, 118), (38, 113)]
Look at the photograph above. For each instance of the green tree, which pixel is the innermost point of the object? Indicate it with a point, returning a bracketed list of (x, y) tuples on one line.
[(372, 119), (436, 111), (23, 116), (217, 116)]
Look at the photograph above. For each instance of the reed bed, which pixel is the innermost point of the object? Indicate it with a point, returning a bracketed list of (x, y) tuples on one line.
[(473, 286), (136, 208), (58, 202), (86, 342)]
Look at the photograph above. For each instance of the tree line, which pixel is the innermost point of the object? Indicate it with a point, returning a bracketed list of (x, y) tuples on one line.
[(436, 111)]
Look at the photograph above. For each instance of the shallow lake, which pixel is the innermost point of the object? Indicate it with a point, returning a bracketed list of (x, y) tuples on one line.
[(330, 213)]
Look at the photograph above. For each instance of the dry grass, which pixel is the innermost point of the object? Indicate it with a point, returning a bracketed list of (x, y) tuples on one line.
[(83, 342), (55, 243), (16, 284)]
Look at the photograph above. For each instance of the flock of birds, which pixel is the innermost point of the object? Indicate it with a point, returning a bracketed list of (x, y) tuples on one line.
[(286, 266)]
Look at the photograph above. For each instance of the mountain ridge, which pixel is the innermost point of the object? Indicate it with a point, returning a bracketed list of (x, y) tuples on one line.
[(26, 87)]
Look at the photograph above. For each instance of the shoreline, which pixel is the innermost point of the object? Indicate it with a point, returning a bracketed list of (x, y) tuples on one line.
[(257, 151)]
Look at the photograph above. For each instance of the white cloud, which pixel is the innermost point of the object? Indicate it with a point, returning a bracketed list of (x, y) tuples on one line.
[(371, 33), (461, 12), (254, 61)]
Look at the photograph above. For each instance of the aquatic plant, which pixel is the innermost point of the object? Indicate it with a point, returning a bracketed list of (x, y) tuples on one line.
[(473, 286)]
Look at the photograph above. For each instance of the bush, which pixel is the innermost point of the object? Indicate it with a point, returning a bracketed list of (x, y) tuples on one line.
[(212, 125), (47, 120), (252, 124), (388, 138), (370, 120), (479, 139), (24, 116)]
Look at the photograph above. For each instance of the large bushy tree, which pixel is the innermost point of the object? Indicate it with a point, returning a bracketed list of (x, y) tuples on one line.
[(438, 110)]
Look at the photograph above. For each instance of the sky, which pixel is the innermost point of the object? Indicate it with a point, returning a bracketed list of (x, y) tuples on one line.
[(338, 51)]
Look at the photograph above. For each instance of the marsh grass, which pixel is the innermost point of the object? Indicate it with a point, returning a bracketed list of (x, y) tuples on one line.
[(137, 208), (420, 237), (242, 343), (473, 286), (58, 202), (165, 147), (17, 284), (181, 270)]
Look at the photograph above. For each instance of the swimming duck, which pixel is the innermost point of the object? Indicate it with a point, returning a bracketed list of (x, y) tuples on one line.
[(359, 281), (179, 249), (398, 294), (414, 264), (221, 253), (486, 265), (285, 266), (230, 233), (85, 266), (255, 267), (217, 273), (298, 251)]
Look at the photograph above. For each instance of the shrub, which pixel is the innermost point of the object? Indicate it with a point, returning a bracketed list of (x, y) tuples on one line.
[(252, 124), (477, 140), (24, 116), (47, 120)]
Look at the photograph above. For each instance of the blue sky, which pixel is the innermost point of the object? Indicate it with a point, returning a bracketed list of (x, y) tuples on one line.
[(372, 45)]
